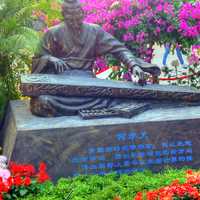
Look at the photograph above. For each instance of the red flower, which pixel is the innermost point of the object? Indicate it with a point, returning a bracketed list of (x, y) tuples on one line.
[(194, 178), (152, 195), (29, 170), (4, 186), (14, 168), (189, 171), (27, 181), (18, 181), (139, 196), (10, 181), (42, 166), (42, 177), (21, 170)]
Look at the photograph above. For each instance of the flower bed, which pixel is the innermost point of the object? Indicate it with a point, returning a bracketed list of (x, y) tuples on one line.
[(108, 187), (139, 186), (23, 182), (20, 180), (189, 190)]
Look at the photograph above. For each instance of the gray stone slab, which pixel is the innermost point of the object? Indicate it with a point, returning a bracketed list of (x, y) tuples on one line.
[(69, 145)]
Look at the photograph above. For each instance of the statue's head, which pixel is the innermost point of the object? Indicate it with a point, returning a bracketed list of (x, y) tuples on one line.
[(73, 13)]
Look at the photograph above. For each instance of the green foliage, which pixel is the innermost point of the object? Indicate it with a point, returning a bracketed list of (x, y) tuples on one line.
[(18, 41), (106, 187), (22, 191), (52, 10), (15, 26), (3, 101)]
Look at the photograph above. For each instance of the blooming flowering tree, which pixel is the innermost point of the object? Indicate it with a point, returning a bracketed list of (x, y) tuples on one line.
[(189, 17), (142, 23)]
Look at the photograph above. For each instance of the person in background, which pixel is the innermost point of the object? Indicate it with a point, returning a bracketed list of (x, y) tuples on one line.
[(178, 53)]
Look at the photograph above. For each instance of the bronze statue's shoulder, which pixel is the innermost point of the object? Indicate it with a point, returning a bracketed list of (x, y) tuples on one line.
[(57, 28), (92, 26), (92, 29)]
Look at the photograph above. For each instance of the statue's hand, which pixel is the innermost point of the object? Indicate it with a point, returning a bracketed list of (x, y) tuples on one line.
[(60, 65), (137, 71)]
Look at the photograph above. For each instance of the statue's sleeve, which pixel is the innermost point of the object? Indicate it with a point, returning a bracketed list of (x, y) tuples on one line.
[(44, 50), (107, 44)]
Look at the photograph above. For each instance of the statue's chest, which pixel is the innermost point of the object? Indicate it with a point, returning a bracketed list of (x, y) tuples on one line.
[(68, 47)]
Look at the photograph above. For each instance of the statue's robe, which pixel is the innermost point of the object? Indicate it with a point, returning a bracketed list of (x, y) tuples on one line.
[(79, 56)]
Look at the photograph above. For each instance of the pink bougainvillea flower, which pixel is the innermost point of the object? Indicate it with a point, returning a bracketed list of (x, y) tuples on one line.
[(170, 28), (189, 18), (159, 8)]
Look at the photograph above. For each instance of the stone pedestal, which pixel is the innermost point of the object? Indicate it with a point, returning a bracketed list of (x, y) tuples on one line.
[(70, 146)]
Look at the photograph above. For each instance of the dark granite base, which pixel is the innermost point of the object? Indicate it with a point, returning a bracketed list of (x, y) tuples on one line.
[(152, 140)]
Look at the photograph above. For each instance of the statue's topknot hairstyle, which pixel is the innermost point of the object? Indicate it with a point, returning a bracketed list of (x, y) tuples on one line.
[(68, 4)]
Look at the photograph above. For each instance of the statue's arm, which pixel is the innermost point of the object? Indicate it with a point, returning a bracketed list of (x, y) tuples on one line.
[(40, 59), (106, 43), (45, 61)]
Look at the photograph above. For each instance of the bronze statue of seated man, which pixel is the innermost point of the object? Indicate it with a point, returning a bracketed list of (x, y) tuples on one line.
[(71, 48)]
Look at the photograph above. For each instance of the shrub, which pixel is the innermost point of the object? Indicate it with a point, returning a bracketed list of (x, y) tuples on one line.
[(18, 41), (106, 187)]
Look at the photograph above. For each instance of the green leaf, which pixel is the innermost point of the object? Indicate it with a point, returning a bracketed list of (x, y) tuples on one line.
[(7, 196), (23, 192)]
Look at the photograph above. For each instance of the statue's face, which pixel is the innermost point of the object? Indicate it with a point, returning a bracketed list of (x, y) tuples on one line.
[(74, 17)]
